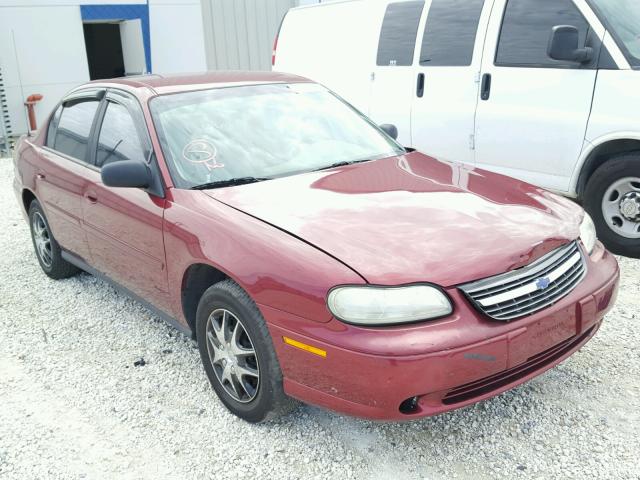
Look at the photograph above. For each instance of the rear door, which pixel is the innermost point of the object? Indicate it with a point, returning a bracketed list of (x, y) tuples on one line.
[(531, 122), (392, 77), (124, 225), (445, 80), (64, 172)]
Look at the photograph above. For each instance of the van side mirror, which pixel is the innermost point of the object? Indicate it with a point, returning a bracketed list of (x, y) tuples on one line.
[(390, 130), (564, 45), (126, 174)]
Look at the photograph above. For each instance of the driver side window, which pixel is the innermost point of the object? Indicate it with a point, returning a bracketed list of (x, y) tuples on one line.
[(526, 28), (118, 139)]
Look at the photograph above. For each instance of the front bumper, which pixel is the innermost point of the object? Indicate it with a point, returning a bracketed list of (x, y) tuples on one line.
[(446, 363)]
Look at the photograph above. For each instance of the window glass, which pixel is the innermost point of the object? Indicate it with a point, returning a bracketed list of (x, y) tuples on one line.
[(262, 131), (450, 33), (118, 138), (72, 134), (623, 20), (53, 124), (398, 34), (526, 29)]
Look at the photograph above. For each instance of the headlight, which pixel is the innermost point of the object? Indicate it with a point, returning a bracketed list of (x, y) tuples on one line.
[(588, 233), (376, 306)]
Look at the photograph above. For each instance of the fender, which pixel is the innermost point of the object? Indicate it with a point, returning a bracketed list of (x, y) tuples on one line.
[(201, 230), (578, 180), (25, 176)]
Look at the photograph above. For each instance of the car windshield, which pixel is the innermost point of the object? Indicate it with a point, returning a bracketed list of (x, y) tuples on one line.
[(236, 135), (623, 19)]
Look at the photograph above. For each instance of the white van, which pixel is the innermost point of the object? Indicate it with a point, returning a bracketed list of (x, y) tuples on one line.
[(547, 91)]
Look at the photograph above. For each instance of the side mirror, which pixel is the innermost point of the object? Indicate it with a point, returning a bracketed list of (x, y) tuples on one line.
[(390, 130), (127, 174), (564, 45)]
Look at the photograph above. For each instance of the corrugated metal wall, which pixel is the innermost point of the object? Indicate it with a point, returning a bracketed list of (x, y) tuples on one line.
[(239, 33)]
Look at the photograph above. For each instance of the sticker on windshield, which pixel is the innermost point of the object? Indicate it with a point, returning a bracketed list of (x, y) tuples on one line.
[(202, 152)]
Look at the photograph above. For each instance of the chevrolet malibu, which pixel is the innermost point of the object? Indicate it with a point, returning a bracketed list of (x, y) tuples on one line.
[(309, 254)]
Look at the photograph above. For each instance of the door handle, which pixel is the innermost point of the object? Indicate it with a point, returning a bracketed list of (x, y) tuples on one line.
[(91, 197), (41, 176), (485, 88), (420, 85)]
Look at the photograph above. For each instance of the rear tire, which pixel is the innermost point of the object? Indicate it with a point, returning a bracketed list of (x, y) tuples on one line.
[(612, 198), (238, 355), (47, 249)]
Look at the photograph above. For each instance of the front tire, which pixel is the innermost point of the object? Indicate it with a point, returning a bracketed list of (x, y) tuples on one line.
[(612, 198), (238, 355), (47, 249)]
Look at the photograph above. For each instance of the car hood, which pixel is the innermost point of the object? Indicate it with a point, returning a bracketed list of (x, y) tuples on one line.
[(413, 218)]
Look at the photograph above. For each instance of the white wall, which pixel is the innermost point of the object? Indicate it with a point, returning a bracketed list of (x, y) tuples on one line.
[(49, 56), (52, 59), (49, 43), (177, 38)]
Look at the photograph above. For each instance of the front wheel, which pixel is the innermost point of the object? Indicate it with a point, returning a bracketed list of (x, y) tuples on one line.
[(612, 198), (238, 355)]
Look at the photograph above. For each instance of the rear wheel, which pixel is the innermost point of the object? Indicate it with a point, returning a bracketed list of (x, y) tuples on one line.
[(612, 198), (238, 355), (47, 249)]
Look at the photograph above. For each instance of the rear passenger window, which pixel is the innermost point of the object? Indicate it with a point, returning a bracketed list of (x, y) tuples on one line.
[(72, 134), (118, 139), (450, 33), (398, 34), (526, 29)]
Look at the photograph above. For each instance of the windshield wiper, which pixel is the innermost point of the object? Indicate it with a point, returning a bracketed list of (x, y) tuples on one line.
[(229, 183), (333, 165), (342, 164)]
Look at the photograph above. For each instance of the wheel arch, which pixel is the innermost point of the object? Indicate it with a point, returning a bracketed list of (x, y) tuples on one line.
[(196, 279), (27, 197), (599, 153)]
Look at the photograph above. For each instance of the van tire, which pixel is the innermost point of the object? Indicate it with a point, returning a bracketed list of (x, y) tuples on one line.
[(603, 184)]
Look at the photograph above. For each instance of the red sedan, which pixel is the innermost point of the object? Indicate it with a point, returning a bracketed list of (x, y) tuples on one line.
[(307, 252)]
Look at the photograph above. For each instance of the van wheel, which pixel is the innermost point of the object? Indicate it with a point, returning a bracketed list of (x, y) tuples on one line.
[(612, 198), (47, 249), (238, 355)]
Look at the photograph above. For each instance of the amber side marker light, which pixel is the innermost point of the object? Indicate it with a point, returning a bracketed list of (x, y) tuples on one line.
[(304, 346)]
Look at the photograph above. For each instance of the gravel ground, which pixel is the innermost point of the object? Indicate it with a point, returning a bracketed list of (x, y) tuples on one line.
[(73, 405)]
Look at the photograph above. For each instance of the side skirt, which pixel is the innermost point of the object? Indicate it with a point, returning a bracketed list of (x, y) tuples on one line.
[(82, 265)]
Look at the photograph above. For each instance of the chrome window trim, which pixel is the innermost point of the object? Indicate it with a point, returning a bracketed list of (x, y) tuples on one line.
[(75, 160)]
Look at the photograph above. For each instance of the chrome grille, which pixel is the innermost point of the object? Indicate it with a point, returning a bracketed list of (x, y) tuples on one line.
[(530, 288)]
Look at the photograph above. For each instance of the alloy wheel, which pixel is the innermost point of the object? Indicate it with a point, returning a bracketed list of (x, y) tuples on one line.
[(621, 207), (42, 239), (232, 355)]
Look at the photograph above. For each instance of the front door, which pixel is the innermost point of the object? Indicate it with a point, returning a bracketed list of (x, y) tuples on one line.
[(124, 225), (445, 83), (532, 116)]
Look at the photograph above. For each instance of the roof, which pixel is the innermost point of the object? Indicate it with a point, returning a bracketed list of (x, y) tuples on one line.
[(193, 81)]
